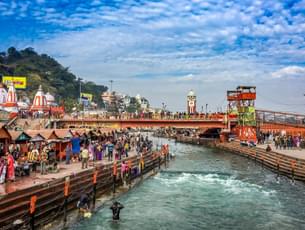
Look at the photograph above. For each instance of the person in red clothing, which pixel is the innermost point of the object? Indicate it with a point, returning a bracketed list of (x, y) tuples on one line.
[(10, 167)]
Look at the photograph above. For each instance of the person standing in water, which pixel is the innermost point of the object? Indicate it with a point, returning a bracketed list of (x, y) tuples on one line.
[(116, 208), (84, 203)]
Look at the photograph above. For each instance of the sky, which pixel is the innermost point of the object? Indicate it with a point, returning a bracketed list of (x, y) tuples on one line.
[(161, 49)]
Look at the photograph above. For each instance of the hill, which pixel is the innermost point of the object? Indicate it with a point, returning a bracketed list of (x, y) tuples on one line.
[(41, 69)]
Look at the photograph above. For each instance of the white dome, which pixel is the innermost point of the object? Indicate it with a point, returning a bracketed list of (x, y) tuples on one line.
[(49, 97), (191, 93)]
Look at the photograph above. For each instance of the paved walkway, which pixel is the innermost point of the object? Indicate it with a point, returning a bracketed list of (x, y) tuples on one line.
[(36, 178), (297, 153)]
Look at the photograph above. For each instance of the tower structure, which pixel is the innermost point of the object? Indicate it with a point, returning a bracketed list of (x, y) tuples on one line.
[(242, 102), (191, 102)]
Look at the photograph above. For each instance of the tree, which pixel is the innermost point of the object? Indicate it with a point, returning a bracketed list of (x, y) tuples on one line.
[(28, 52), (13, 54), (41, 69)]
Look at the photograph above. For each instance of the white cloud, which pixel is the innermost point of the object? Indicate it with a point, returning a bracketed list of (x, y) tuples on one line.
[(215, 43), (289, 71)]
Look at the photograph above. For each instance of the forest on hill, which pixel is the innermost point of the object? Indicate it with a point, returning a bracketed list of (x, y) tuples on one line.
[(41, 69)]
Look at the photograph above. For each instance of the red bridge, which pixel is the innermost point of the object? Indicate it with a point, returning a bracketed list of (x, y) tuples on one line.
[(141, 123), (271, 121)]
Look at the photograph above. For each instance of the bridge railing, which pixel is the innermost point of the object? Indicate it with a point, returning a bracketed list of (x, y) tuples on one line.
[(267, 116), (200, 116)]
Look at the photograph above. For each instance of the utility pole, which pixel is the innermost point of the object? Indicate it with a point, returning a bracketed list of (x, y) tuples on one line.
[(80, 90)]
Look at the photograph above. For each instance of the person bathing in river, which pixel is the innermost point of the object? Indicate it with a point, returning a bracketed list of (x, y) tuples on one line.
[(83, 204), (116, 208)]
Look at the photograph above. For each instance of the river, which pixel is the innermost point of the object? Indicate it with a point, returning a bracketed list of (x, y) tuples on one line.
[(207, 188)]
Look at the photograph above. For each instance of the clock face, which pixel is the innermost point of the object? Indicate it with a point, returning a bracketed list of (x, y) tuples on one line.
[(191, 103)]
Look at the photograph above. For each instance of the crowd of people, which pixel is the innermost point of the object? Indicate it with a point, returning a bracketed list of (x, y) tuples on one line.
[(90, 147), (110, 146), (17, 162), (282, 141)]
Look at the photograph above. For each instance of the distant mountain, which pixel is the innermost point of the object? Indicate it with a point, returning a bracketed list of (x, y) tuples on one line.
[(41, 69)]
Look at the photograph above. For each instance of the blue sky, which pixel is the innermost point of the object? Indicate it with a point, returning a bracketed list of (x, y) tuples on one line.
[(162, 49)]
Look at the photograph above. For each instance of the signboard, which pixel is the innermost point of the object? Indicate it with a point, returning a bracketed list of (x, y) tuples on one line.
[(86, 96), (19, 82)]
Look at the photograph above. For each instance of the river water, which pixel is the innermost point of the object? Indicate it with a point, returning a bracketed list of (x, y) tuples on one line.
[(207, 189)]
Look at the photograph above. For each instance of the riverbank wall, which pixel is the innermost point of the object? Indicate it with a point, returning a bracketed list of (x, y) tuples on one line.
[(210, 142), (39, 205), (281, 164)]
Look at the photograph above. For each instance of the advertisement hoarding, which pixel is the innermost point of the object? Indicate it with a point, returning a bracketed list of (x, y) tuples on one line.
[(19, 81), (86, 96)]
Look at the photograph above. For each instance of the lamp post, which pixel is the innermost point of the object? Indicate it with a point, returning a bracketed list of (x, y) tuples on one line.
[(206, 110), (163, 110)]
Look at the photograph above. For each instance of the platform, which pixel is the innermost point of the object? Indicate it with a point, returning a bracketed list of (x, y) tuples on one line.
[(36, 178)]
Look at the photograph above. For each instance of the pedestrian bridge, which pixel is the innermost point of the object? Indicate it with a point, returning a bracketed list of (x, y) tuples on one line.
[(266, 121), (140, 123), (271, 121)]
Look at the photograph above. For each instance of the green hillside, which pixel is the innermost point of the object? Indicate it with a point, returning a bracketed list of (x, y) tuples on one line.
[(41, 69)]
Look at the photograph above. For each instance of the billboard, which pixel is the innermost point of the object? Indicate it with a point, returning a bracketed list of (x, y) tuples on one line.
[(19, 81), (86, 96)]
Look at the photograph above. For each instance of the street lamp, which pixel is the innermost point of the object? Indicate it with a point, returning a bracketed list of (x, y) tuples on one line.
[(206, 110)]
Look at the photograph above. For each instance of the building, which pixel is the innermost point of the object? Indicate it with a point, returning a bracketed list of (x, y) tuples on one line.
[(142, 101), (116, 102), (191, 102), (111, 101)]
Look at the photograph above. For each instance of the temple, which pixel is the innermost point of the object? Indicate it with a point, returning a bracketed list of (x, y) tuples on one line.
[(10, 104), (42, 103)]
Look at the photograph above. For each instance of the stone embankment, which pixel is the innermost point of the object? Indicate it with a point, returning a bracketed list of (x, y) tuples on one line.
[(281, 164)]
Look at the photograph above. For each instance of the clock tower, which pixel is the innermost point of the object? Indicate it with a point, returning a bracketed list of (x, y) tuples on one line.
[(191, 102)]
